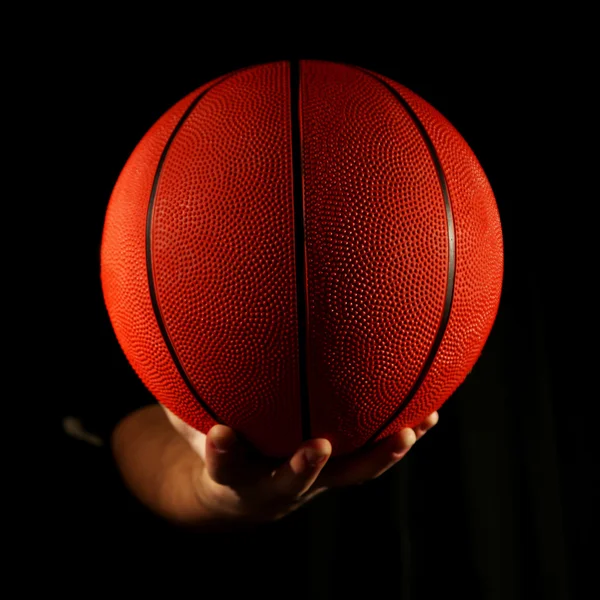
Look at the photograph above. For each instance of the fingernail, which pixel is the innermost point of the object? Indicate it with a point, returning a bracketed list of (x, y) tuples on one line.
[(223, 443), (314, 457)]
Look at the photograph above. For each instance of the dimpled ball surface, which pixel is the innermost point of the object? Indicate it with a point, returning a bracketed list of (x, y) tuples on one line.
[(308, 251)]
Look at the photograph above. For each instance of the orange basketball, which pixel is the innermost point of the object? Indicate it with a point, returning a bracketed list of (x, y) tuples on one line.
[(299, 250)]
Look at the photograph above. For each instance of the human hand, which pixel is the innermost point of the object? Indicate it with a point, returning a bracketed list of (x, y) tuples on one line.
[(234, 483)]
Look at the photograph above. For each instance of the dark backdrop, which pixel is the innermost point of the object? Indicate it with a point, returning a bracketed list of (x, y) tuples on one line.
[(496, 502)]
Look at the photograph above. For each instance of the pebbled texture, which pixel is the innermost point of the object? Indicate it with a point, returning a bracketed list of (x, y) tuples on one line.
[(479, 264), (223, 257)]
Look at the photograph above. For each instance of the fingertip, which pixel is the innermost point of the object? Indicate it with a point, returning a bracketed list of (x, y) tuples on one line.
[(316, 453), (324, 446), (403, 441), (434, 418), (296, 475), (223, 438), (409, 436), (428, 423)]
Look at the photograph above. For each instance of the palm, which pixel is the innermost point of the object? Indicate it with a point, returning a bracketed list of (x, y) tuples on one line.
[(235, 482)]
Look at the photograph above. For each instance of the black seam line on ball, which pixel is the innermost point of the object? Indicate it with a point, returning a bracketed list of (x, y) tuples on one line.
[(153, 296), (300, 246), (451, 259)]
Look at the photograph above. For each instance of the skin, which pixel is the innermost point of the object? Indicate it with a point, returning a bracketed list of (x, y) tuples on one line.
[(216, 482)]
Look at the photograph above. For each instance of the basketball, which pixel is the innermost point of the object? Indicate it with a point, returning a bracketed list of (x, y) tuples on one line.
[(302, 249)]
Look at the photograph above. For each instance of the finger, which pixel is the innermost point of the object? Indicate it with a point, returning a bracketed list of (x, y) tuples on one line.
[(427, 424), (296, 475), (227, 460), (366, 465)]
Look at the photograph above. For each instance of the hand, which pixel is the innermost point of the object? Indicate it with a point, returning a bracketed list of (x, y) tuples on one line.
[(235, 484)]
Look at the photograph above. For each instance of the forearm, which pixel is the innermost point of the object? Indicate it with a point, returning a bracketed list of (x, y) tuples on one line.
[(160, 468)]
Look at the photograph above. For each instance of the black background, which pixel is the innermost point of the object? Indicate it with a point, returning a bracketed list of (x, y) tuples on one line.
[(499, 501)]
